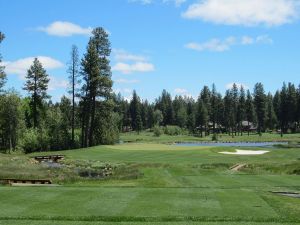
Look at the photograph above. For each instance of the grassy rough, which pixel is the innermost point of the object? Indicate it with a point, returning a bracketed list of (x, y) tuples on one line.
[(155, 184)]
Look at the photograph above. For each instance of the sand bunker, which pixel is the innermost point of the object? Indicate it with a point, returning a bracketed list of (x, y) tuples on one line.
[(245, 152)]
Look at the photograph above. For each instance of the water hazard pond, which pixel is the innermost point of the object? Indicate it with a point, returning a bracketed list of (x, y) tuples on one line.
[(231, 144)]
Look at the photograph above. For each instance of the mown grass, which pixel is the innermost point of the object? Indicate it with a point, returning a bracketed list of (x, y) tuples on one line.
[(155, 184), (147, 136)]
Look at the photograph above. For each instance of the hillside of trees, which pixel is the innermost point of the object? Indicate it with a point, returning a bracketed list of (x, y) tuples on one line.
[(93, 114)]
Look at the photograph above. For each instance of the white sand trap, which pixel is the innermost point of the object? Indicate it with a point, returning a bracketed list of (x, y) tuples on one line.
[(245, 152)]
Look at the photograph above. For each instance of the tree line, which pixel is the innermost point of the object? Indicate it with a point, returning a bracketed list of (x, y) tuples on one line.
[(93, 114), (235, 113)]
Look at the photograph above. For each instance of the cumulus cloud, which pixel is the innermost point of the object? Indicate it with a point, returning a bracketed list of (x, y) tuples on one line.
[(177, 3), (128, 63), (183, 92), (244, 12), (144, 2), (180, 91), (134, 67), (125, 81), (20, 66), (239, 85), (65, 29), (56, 83), (122, 55), (220, 45)]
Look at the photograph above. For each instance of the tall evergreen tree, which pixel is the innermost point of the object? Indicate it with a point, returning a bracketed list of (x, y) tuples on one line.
[(191, 117), (276, 105), (73, 71), (298, 107), (10, 120), (235, 105), (36, 85), (205, 96), (229, 112), (135, 111), (260, 106), (241, 112), (271, 119), (96, 88), (292, 106), (164, 104), (214, 106), (201, 116), (249, 109)]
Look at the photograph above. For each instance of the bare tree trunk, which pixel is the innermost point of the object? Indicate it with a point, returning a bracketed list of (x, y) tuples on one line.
[(91, 134)]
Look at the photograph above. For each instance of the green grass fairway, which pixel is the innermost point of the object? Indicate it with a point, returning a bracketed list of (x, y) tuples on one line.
[(176, 185), (145, 136)]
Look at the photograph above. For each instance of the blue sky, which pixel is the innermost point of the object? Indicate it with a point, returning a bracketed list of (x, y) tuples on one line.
[(177, 45)]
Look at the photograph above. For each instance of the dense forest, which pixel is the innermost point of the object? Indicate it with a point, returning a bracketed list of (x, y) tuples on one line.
[(93, 114)]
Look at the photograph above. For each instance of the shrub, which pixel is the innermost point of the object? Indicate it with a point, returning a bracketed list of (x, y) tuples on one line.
[(30, 142), (215, 137), (173, 130), (157, 131)]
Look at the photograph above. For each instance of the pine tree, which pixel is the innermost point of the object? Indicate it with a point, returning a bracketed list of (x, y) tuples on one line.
[(271, 119), (2, 73), (164, 104), (10, 120), (205, 96), (97, 89), (191, 117), (229, 112), (235, 105), (201, 116), (214, 107), (283, 117), (276, 105), (36, 85), (135, 110), (241, 111), (292, 106), (260, 106), (298, 107), (250, 112), (73, 70)]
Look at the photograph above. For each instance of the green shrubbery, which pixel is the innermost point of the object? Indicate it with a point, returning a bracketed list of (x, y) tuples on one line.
[(173, 130), (29, 142), (157, 131)]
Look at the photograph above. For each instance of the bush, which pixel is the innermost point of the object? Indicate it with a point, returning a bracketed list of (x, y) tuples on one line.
[(173, 130), (157, 131), (30, 141), (215, 137)]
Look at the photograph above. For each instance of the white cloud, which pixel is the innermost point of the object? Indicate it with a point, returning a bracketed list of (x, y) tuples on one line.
[(182, 92), (239, 85), (244, 12), (177, 3), (144, 2), (246, 40), (214, 45), (125, 81), (264, 39), (219, 45), (126, 68), (20, 66), (65, 29), (56, 83), (122, 55)]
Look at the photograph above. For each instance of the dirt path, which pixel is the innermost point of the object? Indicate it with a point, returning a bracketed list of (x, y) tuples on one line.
[(237, 167)]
